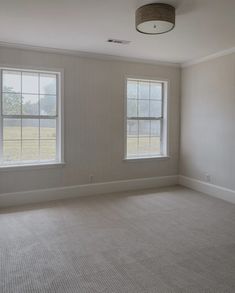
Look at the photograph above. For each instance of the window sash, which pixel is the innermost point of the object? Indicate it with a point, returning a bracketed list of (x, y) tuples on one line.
[(29, 116), (149, 155), (21, 93), (144, 118)]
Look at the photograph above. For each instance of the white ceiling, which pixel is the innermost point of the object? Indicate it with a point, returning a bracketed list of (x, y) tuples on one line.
[(203, 27)]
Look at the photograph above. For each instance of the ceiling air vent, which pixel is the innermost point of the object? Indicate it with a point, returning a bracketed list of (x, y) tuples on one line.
[(120, 42)]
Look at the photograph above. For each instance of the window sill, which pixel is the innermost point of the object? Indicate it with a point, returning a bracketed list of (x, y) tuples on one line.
[(31, 166), (137, 159)]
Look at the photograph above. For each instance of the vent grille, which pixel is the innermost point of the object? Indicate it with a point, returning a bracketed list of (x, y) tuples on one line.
[(120, 42)]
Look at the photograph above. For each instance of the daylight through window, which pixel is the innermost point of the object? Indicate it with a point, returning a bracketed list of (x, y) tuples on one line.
[(145, 118), (30, 125)]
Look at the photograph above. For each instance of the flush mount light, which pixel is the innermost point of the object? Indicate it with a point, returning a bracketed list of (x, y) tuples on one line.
[(155, 18)]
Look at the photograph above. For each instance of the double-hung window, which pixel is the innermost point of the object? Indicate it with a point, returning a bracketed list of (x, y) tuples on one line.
[(146, 119), (30, 117)]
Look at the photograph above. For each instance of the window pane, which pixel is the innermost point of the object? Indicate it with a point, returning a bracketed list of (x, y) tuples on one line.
[(155, 108), (48, 84), (144, 146), (144, 128), (11, 151), (132, 108), (30, 82), (144, 90), (143, 108), (30, 150), (132, 146), (132, 89), (155, 128), (11, 104), (132, 127), (47, 105), (30, 105), (156, 91), (48, 129), (30, 129), (48, 150), (11, 81), (155, 144), (11, 129)]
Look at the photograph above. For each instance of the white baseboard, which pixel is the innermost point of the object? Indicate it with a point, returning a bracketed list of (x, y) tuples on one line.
[(43, 195), (208, 188)]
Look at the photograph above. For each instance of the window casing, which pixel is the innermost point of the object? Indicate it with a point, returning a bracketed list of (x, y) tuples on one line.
[(146, 118), (30, 117)]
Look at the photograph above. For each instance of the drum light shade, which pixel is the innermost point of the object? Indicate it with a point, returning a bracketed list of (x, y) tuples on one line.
[(155, 18)]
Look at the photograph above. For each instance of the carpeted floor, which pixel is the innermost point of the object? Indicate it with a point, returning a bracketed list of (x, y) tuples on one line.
[(171, 240)]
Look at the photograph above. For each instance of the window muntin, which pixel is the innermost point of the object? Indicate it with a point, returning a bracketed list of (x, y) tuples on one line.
[(145, 118), (29, 117)]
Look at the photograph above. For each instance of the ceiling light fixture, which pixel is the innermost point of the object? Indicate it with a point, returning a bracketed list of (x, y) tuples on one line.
[(155, 18)]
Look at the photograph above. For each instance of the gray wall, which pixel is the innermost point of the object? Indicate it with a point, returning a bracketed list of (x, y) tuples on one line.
[(208, 121), (94, 123)]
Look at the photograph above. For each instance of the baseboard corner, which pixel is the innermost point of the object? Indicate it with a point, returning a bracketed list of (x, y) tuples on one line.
[(208, 188)]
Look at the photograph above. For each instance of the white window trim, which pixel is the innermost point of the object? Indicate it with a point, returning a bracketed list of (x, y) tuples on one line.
[(60, 162), (166, 117)]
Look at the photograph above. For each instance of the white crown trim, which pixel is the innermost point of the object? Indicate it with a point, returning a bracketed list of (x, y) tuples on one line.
[(100, 56), (209, 57), (84, 54)]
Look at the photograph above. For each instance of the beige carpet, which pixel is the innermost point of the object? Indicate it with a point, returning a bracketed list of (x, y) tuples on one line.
[(172, 240)]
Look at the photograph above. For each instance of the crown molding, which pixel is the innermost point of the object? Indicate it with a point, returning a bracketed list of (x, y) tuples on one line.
[(83, 54), (99, 56), (209, 57)]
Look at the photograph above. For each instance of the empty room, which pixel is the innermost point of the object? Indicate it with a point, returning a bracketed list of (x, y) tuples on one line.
[(117, 146)]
